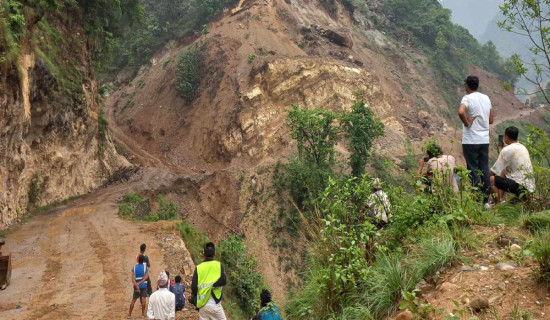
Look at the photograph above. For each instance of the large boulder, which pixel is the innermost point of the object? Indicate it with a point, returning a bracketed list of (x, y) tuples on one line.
[(339, 36)]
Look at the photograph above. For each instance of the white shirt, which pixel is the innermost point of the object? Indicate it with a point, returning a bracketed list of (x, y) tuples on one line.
[(162, 305), (478, 107), (380, 204), (514, 160)]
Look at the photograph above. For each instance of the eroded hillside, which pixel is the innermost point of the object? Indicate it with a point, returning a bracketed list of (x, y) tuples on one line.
[(50, 142), (256, 64)]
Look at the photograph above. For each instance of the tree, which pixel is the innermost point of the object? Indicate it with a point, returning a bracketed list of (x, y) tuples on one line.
[(361, 128), (530, 18)]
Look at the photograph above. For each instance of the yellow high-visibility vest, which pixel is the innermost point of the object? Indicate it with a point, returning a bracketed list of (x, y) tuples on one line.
[(208, 273)]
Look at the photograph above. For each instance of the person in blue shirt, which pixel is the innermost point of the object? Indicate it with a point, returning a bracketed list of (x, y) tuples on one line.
[(179, 290), (140, 278), (268, 311)]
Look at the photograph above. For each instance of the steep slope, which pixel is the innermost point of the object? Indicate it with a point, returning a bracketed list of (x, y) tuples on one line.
[(256, 64), (50, 143)]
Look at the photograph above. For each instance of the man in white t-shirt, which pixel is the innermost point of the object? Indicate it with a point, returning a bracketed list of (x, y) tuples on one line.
[(513, 171), (476, 113)]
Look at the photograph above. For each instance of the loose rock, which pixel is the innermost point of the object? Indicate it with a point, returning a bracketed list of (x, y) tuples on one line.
[(447, 287), (504, 266), (479, 304), (515, 248)]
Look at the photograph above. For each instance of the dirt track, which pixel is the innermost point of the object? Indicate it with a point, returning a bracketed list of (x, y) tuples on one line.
[(74, 262)]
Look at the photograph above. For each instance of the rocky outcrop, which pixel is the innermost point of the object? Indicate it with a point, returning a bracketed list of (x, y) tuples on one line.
[(48, 137), (339, 36)]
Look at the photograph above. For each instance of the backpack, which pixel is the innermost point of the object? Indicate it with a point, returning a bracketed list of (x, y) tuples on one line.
[(270, 312)]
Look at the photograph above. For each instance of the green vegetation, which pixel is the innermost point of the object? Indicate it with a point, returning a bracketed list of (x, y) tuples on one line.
[(450, 48), (541, 250), (361, 128), (244, 283), (12, 29), (529, 19), (251, 57), (35, 190), (161, 22), (537, 221), (102, 127), (128, 205), (189, 69)]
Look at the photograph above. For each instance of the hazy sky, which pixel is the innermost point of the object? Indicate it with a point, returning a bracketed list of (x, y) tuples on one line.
[(474, 15)]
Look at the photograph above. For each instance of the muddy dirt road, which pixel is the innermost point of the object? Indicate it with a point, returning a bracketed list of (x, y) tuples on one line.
[(74, 262)]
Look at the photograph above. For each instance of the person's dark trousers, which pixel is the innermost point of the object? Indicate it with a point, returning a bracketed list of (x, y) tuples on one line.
[(477, 160)]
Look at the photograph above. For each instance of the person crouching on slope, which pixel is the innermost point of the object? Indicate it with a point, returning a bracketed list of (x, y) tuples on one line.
[(206, 287)]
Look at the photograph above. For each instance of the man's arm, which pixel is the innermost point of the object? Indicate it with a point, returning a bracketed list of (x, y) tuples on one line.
[(463, 115), (136, 285), (420, 167), (491, 117), (194, 286), (222, 281)]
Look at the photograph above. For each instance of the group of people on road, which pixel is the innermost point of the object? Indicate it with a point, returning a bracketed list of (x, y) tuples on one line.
[(207, 285), (511, 173), (165, 301)]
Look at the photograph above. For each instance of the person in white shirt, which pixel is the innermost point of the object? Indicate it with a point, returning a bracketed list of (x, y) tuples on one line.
[(476, 113), (513, 171), (162, 303)]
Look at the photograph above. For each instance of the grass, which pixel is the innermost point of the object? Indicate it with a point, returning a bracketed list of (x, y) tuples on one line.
[(510, 213), (541, 251), (434, 254), (389, 278), (537, 221), (194, 240)]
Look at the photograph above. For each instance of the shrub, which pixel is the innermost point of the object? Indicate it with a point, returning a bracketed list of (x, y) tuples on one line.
[(243, 280), (251, 57), (541, 251), (102, 127), (188, 73), (537, 221), (35, 190), (167, 210), (128, 204)]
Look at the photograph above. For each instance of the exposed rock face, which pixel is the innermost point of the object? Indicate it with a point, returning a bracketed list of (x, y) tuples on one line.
[(339, 36), (49, 136)]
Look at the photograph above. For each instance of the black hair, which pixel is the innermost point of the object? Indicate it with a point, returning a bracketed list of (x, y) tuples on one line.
[(168, 274), (141, 259), (209, 250), (512, 133), (143, 247), (472, 82), (265, 297), (178, 279), (434, 152)]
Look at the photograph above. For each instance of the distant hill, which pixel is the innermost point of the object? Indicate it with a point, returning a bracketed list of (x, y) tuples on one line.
[(474, 15)]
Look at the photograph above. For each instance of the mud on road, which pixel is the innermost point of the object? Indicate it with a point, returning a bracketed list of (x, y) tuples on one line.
[(74, 262)]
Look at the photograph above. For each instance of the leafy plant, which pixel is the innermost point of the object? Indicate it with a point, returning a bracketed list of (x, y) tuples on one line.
[(35, 190), (102, 127), (167, 210), (243, 280), (251, 57), (129, 203), (188, 73), (361, 127)]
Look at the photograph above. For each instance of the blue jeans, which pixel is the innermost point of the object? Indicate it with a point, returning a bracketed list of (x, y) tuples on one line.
[(477, 160)]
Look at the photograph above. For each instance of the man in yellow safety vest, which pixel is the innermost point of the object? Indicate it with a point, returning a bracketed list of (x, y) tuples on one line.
[(206, 287)]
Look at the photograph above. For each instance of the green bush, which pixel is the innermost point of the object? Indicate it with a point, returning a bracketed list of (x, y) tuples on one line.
[(102, 127), (537, 221), (167, 210), (35, 190), (128, 204), (243, 280), (541, 251), (189, 68)]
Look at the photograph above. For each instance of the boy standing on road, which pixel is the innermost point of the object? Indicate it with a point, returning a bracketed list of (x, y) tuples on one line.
[(142, 248), (476, 113), (140, 278)]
